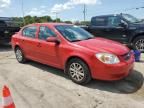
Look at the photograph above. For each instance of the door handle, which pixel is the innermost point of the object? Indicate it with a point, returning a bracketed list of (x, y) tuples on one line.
[(39, 45), (22, 40), (119, 27)]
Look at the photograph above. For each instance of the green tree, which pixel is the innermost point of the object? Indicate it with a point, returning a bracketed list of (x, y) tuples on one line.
[(18, 21), (68, 22), (57, 20), (29, 19), (85, 22), (37, 19), (49, 19)]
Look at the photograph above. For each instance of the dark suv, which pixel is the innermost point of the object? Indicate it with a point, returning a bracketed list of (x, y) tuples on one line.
[(7, 28), (123, 28)]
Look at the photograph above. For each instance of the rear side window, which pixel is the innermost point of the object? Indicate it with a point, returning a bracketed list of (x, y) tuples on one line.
[(45, 32), (99, 21), (30, 32)]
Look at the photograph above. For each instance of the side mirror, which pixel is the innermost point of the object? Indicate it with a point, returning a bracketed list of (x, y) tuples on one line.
[(53, 39)]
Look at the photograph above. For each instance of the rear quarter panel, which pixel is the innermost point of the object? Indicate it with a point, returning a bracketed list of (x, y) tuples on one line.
[(15, 41)]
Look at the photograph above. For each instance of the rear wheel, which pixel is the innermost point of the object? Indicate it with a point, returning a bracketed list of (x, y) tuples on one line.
[(19, 55), (139, 43), (78, 71)]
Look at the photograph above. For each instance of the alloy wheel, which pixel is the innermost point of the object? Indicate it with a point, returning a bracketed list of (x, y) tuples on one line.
[(77, 71), (140, 45)]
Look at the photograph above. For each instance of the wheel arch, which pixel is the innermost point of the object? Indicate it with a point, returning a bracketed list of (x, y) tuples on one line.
[(78, 57), (136, 36), (16, 46)]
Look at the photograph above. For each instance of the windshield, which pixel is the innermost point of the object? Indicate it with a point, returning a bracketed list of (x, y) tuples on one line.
[(73, 33), (130, 18)]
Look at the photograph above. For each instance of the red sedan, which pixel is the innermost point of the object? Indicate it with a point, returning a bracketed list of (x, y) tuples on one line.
[(74, 50)]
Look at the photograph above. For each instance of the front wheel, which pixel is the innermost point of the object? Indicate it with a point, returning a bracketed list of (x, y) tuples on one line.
[(78, 71), (139, 43)]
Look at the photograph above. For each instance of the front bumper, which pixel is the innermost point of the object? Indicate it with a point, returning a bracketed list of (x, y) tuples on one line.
[(103, 71)]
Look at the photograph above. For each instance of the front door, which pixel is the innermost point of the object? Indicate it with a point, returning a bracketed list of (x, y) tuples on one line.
[(113, 30), (48, 51)]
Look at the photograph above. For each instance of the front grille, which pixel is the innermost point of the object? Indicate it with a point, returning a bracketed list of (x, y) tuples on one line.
[(127, 56)]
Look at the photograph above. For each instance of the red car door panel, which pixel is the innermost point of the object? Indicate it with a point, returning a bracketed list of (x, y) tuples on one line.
[(30, 48), (48, 51), (29, 42)]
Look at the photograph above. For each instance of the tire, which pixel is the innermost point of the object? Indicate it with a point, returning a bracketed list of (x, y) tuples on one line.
[(138, 43), (19, 55), (80, 76)]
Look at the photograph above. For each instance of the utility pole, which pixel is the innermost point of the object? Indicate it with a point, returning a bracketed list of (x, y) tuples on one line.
[(56, 14), (22, 7), (84, 12)]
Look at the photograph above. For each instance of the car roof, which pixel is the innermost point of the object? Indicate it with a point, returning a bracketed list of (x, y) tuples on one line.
[(49, 24), (110, 15), (106, 15)]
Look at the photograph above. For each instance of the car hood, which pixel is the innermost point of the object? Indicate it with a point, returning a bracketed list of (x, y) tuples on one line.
[(104, 45)]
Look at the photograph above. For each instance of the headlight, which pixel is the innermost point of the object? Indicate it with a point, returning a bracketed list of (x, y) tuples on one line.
[(107, 58)]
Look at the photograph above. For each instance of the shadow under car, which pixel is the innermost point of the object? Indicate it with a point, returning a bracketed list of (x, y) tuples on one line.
[(130, 84)]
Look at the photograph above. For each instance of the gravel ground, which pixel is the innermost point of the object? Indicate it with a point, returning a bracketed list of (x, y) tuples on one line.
[(34, 85)]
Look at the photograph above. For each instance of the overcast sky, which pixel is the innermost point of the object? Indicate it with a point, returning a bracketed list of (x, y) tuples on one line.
[(70, 9)]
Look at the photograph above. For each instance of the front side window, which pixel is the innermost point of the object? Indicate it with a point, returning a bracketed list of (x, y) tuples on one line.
[(45, 32), (30, 32), (113, 21), (73, 33)]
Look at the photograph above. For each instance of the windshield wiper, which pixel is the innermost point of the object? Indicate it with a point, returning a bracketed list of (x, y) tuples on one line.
[(76, 40), (82, 39), (89, 38)]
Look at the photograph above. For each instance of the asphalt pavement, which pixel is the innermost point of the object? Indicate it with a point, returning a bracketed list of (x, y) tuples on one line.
[(34, 85)]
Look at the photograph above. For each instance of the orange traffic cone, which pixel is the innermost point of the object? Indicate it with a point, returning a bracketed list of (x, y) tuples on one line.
[(7, 101)]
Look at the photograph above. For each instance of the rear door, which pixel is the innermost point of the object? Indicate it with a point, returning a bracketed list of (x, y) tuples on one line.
[(99, 26), (28, 41)]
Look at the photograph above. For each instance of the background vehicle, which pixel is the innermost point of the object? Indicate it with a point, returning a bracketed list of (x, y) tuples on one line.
[(7, 28), (74, 50), (123, 28)]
